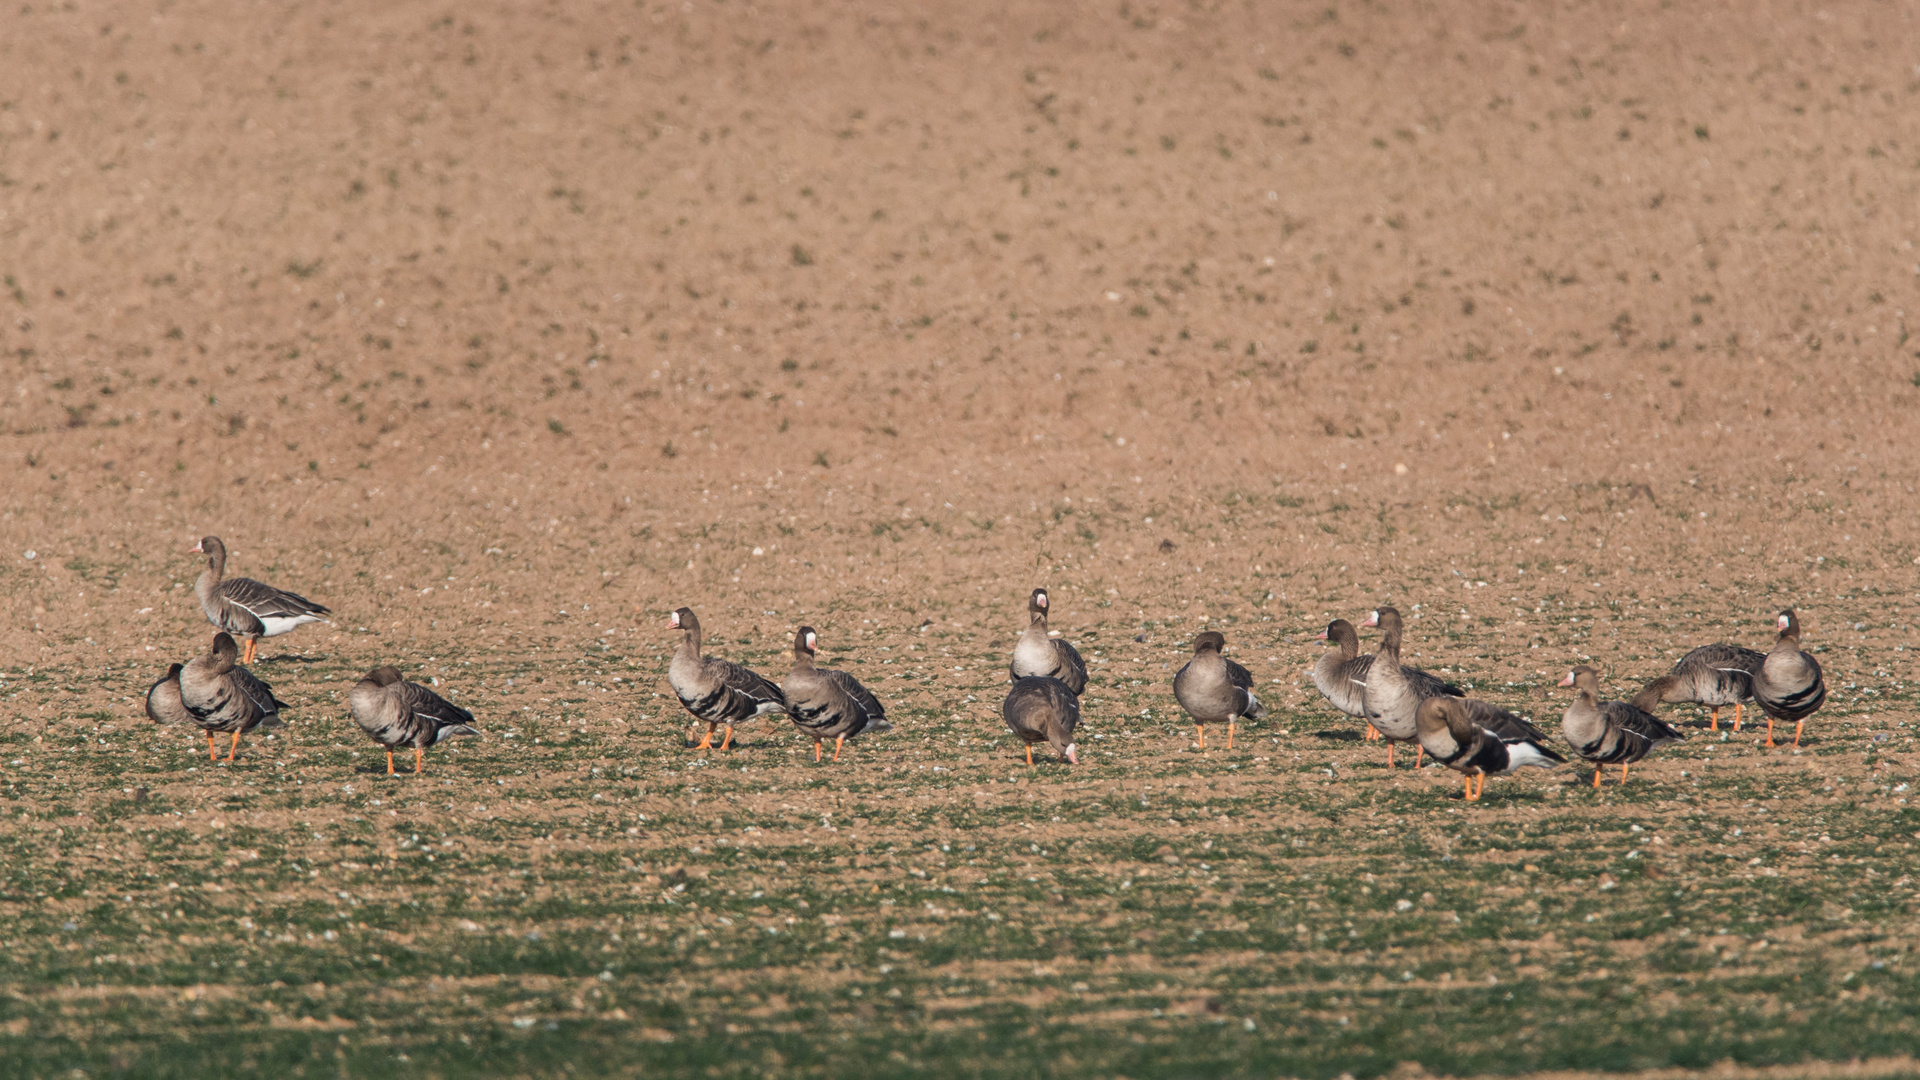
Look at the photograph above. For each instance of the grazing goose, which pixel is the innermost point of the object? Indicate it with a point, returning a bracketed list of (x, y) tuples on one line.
[(1712, 675), (1038, 654), (399, 713), (718, 691), (1476, 739), (163, 700), (1394, 691), (1213, 688), (1610, 732), (1043, 710), (1341, 676), (247, 608), (1789, 685), (825, 703), (222, 696)]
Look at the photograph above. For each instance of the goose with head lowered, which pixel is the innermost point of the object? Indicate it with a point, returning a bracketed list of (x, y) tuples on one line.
[(1038, 652), (221, 696), (1043, 710), (1214, 689), (1478, 740), (163, 699), (1394, 691), (1716, 676), (1611, 732), (247, 608), (1789, 685), (825, 703), (718, 691), (395, 712)]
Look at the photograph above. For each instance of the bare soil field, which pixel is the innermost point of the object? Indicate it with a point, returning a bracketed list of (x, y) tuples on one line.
[(1578, 332)]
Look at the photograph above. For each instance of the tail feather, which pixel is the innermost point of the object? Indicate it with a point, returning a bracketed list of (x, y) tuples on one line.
[(452, 730)]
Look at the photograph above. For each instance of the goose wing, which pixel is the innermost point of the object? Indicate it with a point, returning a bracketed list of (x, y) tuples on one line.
[(429, 706), (264, 601), (860, 696), (749, 684)]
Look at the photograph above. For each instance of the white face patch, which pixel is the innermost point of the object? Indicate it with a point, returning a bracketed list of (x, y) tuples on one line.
[(810, 641), (1783, 622), (1041, 599)]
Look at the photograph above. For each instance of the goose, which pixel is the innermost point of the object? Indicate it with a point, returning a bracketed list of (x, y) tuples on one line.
[(1043, 710), (222, 696), (825, 703), (718, 691), (1789, 685), (1341, 675), (400, 713), (1476, 739), (1610, 732), (1712, 675), (247, 608), (163, 699), (1213, 688), (1393, 691), (1036, 653)]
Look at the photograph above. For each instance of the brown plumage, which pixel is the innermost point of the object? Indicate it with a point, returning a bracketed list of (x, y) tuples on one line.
[(825, 703), (1214, 689), (394, 712), (1610, 732), (1043, 710), (1393, 690), (720, 692), (1039, 653), (1789, 684), (221, 696), (1478, 740), (247, 608), (1715, 675), (163, 699)]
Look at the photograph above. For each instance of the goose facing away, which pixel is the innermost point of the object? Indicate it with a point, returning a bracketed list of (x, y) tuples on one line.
[(1478, 740), (1038, 653), (825, 703), (1341, 674), (1213, 688), (1044, 710), (400, 713), (222, 696), (1394, 691), (1610, 732), (1789, 685), (1715, 676), (718, 691), (247, 608), (163, 699)]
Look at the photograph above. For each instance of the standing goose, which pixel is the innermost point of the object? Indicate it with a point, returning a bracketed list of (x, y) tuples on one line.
[(1213, 688), (1610, 732), (1394, 691), (1715, 676), (399, 713), (1476, 739), (718, 691), (247, 608), (1789, 685), (825, 703), (222, 696), (1341, 675), (1036, 653), (1043, 710)]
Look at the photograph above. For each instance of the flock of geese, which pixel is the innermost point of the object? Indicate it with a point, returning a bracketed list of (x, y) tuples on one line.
[(1400, 704)]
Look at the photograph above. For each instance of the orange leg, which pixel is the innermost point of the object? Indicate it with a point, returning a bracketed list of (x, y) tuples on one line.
[(212, 754), (1769, 730), (1736, 716), (728, 741), (1713, 718), (1419, 755), (1623, 773), (1029, 753), (419, 759), (1229, 732), (1596, 778), (389, 761), (231, 750), (1466, 793), (837, 744), (1389, 755), (1480, 788), (1473, 790), (1372, 732), (706, 741), (253, 649), (1797, 725), (1200, 732), (816, 751)]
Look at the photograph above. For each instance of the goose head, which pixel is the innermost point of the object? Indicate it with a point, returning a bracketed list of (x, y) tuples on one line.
[(1212, 641), (805, 643), (683, 619), (212, 548), (1583, 679), (384, 676), (1788, 624)]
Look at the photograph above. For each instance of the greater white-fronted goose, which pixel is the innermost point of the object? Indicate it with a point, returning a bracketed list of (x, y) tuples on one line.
[(1789, 685), (1040, 709), (1341, 675), (247, 608), (1038, 653), (222, 696), (718, 691), (1712, 675), (1214, 689), (400, 713), (1610, 732), (163, 700), (1394, 691), (1478, 740), (825, 703)]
